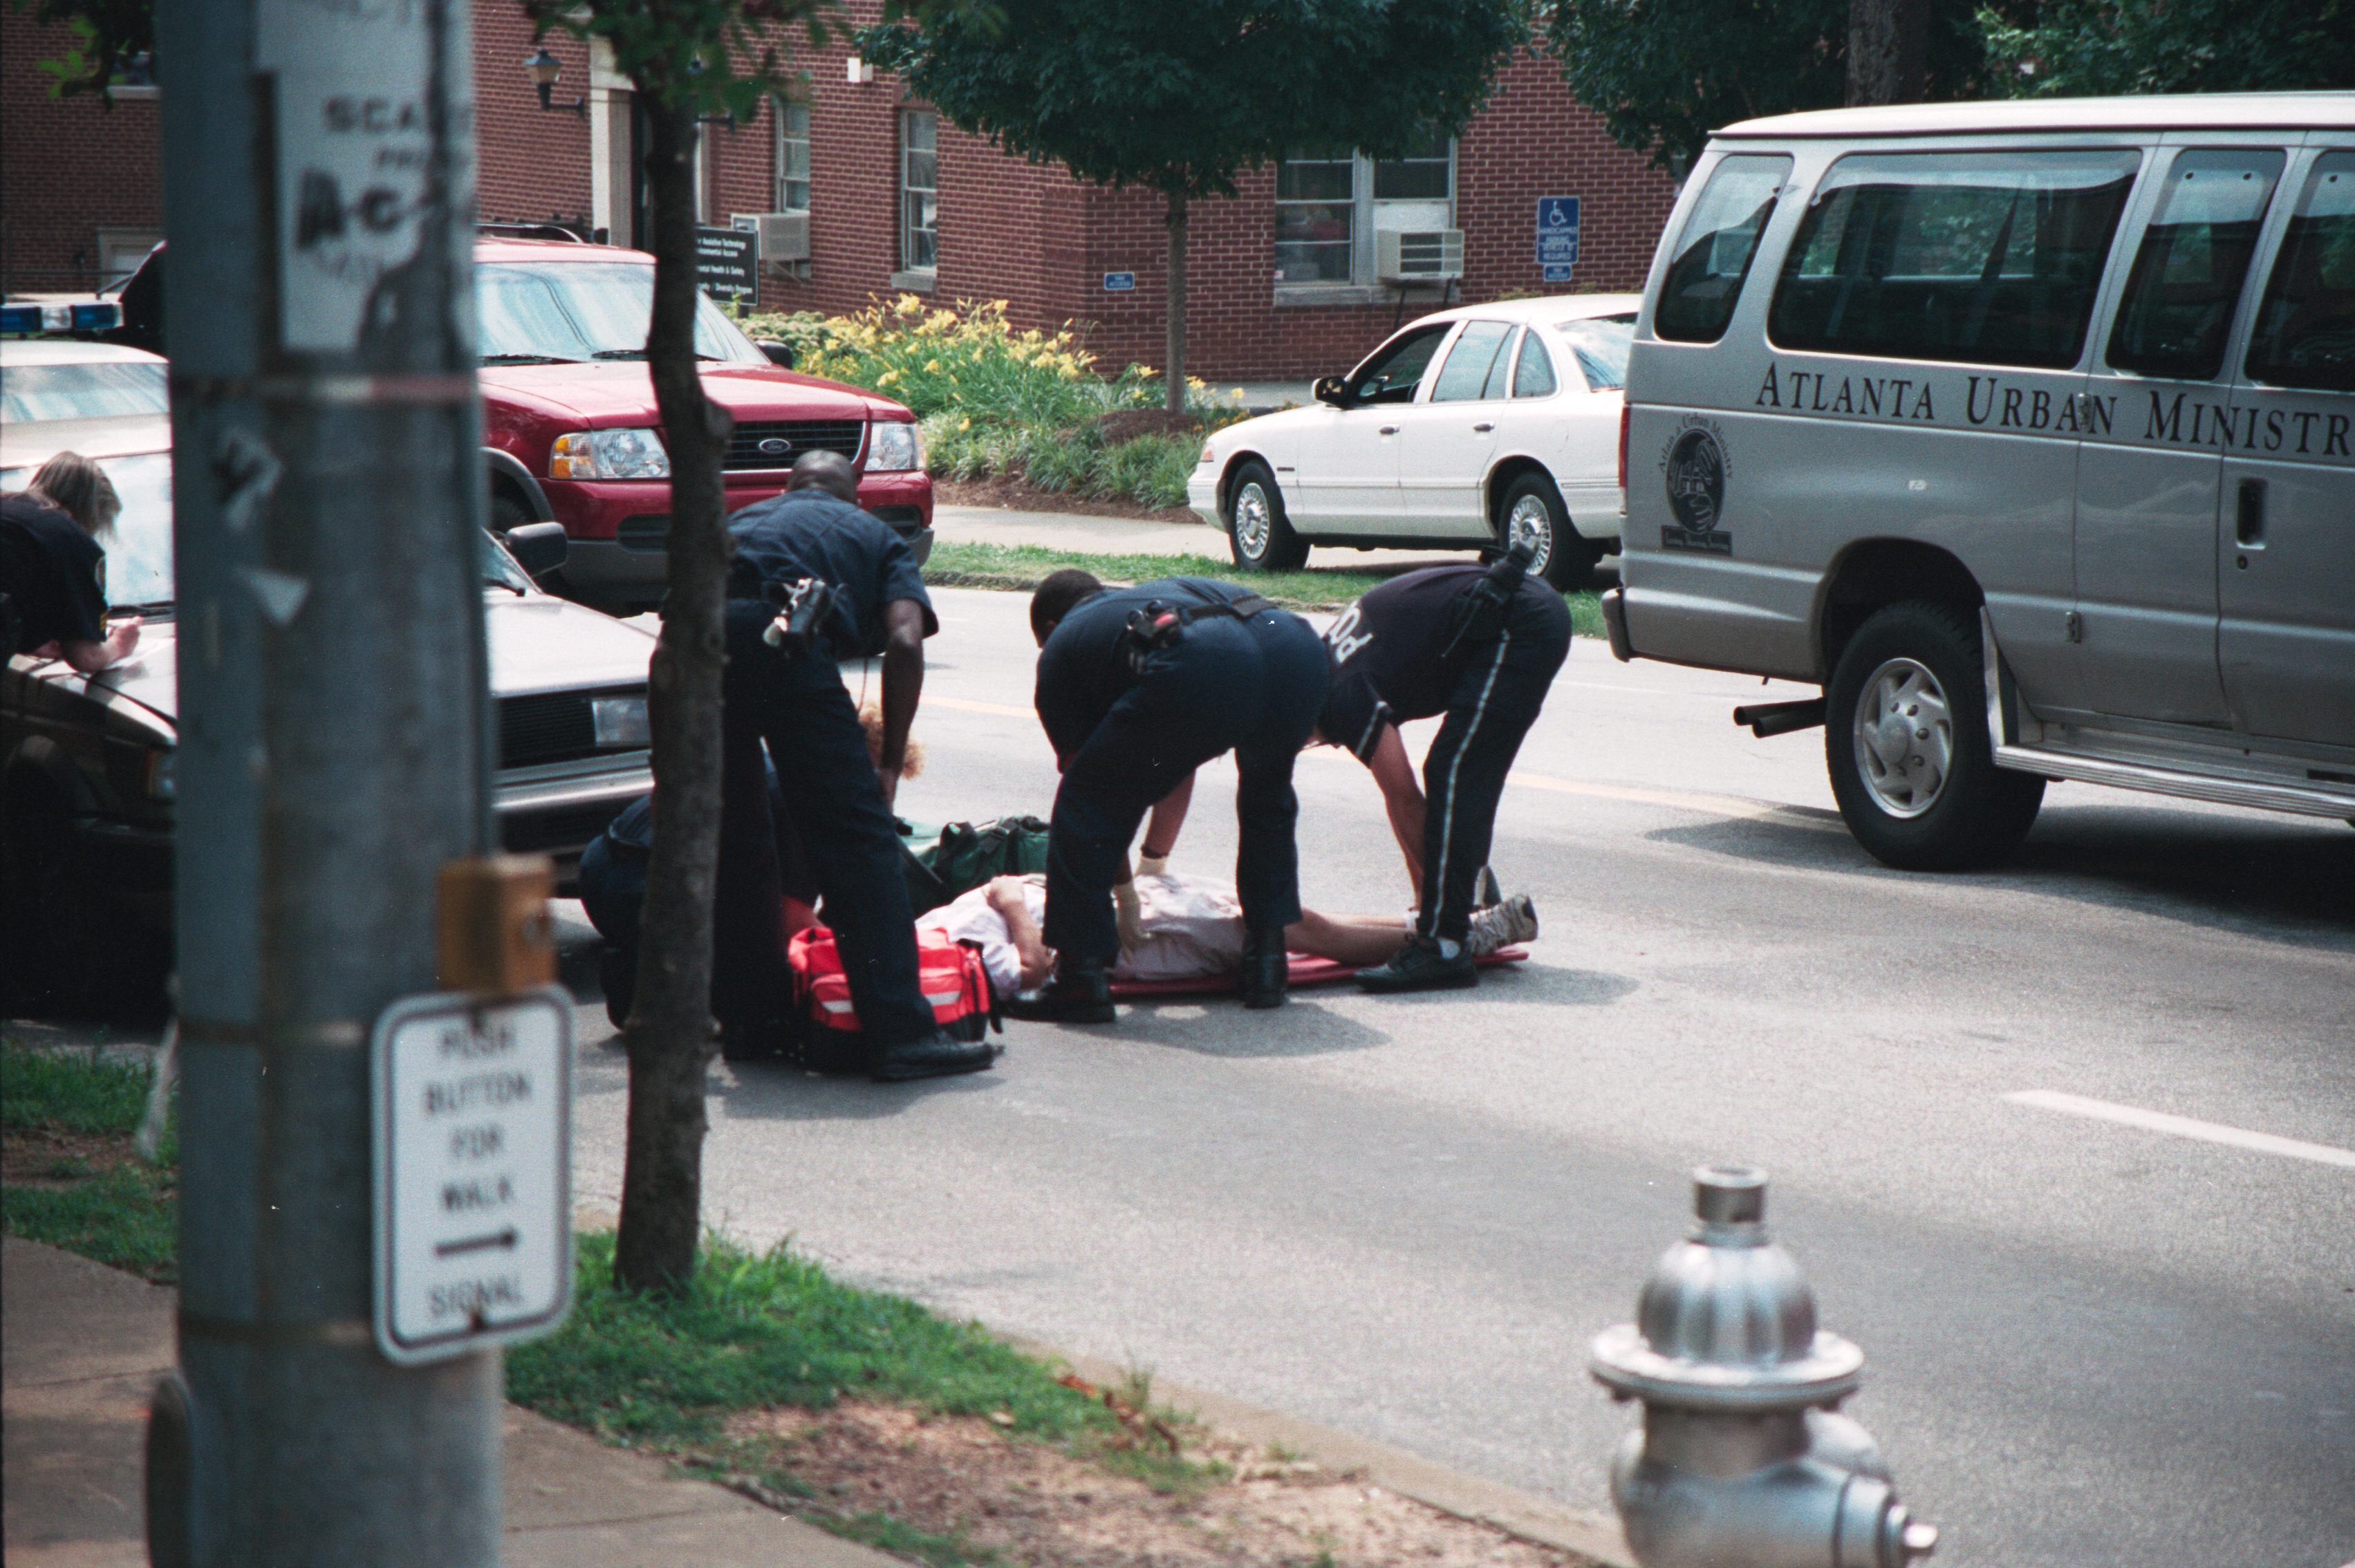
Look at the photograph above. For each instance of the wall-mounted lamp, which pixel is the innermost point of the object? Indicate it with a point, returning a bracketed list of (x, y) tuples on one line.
[(544, 67), (858, 71)]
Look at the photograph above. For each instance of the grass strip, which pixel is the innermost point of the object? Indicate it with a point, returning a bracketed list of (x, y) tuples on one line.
[(72, 1090), (1022, 567), (123, 1212), (126, 1217)]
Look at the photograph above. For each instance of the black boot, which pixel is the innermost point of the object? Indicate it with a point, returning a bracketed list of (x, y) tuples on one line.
[(1078, 992), (934, 1055), (1420, 966), (1267, 967)]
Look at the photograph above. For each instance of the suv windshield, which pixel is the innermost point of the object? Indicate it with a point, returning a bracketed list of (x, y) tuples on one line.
[(551, 312), (1601, 343), (139, 548)]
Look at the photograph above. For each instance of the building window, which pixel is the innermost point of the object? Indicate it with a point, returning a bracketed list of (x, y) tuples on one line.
[(920, 197), (1329, 207), (792, 157)]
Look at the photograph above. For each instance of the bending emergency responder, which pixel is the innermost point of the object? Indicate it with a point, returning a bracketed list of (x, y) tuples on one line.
[(1481, 646), (815, 579), (1136, 688), (53, 569)]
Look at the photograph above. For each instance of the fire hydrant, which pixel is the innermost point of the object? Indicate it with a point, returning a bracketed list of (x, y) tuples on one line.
[(1741, 1462)]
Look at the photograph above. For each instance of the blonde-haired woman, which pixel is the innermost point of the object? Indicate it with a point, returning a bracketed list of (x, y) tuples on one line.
[(53, 571)]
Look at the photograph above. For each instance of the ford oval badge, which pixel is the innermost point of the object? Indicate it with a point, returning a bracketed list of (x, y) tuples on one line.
[(776, 446)]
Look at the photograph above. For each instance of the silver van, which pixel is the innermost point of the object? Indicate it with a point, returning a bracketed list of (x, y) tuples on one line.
[(2026, 430)]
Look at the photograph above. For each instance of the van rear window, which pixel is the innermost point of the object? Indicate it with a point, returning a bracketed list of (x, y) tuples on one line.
[(2305, 328), (1718, 242), (1982, 258)]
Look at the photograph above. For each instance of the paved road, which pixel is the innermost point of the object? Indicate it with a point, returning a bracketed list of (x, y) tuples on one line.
[(2088, 1342)]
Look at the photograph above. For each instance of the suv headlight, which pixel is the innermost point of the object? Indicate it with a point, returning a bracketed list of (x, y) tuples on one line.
[(620, 720), (609, 454), (895, 446)]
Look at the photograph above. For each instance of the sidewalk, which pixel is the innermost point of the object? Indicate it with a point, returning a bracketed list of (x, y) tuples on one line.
[(81, 1346)]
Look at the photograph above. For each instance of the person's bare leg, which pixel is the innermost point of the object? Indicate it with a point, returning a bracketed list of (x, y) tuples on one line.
[(1363, 940)]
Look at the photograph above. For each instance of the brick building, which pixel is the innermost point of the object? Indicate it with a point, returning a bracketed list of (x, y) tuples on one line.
[(1284, 281)]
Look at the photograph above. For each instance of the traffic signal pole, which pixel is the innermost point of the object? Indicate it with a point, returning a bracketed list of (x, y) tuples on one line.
[(333, 754)]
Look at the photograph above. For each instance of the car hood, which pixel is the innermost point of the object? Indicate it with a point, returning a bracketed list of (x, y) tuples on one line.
[(620, 392), (537, 644)]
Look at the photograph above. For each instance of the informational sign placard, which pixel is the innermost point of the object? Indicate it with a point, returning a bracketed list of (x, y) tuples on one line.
[(1557, 236), (727, 261), (474, 1176), (1119, 282), (353, 122)]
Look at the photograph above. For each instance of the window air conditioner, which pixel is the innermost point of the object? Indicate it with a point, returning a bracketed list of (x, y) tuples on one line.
[(784, 237), (1418, 255)]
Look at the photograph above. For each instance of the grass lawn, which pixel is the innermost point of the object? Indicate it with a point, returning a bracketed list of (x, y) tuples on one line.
[(1023, 567), (71, 1179)]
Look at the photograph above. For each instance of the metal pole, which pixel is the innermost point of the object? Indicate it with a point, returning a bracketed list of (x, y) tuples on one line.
[(319, 199)]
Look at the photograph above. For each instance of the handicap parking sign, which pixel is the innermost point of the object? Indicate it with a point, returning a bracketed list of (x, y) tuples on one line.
[(1557, 236)]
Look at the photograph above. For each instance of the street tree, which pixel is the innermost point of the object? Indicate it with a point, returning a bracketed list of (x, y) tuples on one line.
[(107, 36), (1180, 96), (1664, 73), (2078, 48)]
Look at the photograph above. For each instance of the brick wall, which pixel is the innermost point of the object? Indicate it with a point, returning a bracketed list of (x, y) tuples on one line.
[(1027, 234), (67, 166)]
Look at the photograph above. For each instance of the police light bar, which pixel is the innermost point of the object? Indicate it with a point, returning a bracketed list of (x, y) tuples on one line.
[(20, 319), (72, 315), (97, 317)]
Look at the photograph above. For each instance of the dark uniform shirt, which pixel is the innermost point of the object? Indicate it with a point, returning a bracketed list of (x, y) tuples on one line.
[(1084, 670), (808, 533), (53, 573), (1386, 665)]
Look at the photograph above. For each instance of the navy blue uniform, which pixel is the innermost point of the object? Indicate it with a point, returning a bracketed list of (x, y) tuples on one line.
[(798, 708), (1387, 670), (1253, 686), (53, 573)]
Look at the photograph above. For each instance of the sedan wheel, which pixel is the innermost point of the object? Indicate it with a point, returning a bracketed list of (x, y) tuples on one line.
[(1257, 532)]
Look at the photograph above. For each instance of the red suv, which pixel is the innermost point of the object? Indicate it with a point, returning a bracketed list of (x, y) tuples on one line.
[(571, 429)]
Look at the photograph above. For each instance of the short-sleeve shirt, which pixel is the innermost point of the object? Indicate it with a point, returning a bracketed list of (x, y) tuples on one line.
[(808, 533), (1084, 670), (54, 574), (1386, 665)]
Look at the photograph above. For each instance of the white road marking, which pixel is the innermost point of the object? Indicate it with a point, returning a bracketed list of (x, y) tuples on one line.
[(2182, 1127), (962, 704)]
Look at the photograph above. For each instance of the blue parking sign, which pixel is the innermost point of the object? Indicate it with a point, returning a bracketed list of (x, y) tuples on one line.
[(1557, 236)]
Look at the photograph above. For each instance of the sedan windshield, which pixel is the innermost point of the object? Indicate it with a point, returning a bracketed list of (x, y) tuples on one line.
[(553, 311), (1601, 343), (91, 390)]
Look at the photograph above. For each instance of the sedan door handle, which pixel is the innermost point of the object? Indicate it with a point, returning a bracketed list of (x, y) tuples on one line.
[(1483, 428), (1388, 429)]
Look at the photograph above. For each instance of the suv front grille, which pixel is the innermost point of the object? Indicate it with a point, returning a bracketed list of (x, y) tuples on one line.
[(844, 436), (566, 828), (551, 726)]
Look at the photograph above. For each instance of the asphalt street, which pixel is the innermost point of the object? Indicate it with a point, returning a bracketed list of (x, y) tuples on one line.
[(2093, 1335)]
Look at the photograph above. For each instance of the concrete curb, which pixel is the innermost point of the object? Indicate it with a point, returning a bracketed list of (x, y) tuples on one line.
[(1593, 1535)]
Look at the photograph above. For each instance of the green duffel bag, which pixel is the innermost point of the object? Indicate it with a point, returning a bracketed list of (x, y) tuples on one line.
[(964, 855)]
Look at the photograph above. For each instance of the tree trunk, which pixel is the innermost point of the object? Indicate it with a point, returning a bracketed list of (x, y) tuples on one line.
[(669, 1030), (1174, 366), (1888, 50)]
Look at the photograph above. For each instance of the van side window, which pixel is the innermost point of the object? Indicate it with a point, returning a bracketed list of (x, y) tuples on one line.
[(1714, 253), (1985, 258), (2186, 276), (2305, 328)]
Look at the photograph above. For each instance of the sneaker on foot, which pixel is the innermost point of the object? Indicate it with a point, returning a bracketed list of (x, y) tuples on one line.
[(1501, 926)]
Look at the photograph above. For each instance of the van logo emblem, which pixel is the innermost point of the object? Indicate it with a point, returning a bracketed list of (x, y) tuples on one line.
[(776, 446), (1695, 468)]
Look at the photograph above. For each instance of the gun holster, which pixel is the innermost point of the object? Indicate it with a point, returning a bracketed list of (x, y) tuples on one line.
[(1477, 616), (1153, 625)]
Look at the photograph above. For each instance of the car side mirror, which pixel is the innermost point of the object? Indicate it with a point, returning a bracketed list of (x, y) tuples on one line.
[(538, 547), (1331, 389), (781, 355)]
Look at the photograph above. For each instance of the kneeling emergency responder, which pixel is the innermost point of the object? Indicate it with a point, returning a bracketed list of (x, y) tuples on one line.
[(816, 579), (1480, 645), (1136, 688)]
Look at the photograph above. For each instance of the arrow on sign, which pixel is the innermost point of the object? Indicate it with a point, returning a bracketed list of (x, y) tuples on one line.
[(506, 1238)]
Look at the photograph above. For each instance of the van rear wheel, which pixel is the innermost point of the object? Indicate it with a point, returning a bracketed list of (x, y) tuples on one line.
[(1905, 741)]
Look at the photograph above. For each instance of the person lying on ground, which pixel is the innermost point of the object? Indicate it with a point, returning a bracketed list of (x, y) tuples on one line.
[(1193, 928)]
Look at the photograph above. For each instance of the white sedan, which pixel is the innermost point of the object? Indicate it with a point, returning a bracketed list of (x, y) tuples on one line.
[(1478, 427)]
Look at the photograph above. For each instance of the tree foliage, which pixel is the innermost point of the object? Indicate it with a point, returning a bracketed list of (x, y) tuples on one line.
[(2083, 48), (1664, 73), (107, 34)]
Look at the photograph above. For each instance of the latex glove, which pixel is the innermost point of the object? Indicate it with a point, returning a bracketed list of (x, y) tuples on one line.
[(1152, 865), (1132, 917)]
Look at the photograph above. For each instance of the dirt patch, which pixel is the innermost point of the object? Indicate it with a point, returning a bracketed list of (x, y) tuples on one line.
[(53, 1158), (1010, 494), (998, 1498)]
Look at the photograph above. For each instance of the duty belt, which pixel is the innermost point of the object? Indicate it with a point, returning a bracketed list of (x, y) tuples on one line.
[(1155, 626)]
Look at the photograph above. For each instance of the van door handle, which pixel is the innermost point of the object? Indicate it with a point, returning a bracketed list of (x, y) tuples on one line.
[(1483, 428), (2249, 516), (1388, 430)]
